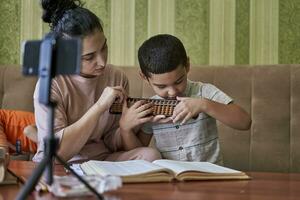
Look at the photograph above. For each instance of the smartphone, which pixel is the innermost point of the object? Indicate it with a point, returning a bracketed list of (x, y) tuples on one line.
[(66, 57)]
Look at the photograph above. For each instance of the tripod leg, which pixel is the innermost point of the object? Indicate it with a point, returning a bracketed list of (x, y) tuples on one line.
[(99, 196), (33, 180)]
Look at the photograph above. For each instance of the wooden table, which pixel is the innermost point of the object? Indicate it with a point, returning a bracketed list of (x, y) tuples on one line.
[(266, 186)]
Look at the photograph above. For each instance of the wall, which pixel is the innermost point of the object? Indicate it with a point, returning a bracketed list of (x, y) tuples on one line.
[(213, 31), (9, 31)]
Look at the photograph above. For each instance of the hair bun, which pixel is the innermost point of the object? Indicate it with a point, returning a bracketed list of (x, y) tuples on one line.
[(53, 10), (48, 10)]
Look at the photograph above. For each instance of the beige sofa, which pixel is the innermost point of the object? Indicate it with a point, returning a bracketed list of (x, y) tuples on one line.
[(271, 94), (16, 91)]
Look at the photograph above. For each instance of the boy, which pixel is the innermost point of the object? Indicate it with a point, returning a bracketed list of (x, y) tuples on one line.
[(191, 133)]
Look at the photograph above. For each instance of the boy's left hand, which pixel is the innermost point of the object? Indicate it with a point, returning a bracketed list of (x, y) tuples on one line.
[(186, 109)]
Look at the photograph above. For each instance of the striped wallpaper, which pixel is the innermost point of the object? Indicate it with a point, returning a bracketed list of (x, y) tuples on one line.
[(213, 31)]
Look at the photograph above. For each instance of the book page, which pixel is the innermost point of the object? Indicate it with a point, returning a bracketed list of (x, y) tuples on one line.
[(181, 166), (124, 168)]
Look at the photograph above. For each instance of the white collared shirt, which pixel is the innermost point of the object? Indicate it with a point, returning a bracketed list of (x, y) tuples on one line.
[(197, 139)]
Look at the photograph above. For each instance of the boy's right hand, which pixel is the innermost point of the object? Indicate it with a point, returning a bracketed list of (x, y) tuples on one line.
[(139, 113)]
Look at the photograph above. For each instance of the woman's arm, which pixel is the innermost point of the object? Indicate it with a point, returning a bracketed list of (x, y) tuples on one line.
[(74, 136)]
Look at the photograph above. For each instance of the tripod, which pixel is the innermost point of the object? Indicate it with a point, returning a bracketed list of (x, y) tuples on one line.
[(46, 73)]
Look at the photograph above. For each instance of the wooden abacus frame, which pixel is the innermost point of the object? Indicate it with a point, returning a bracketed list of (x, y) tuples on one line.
[(160, 106)]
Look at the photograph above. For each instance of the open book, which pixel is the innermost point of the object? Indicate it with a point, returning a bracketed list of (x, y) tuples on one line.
[(161, 170)]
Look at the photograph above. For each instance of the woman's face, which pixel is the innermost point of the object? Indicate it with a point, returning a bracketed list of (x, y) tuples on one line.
[(94, 54)]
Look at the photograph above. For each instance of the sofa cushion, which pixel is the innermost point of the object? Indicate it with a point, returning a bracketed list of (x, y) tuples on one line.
[(16, 90)]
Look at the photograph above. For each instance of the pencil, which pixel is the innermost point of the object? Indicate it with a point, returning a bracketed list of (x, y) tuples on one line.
[(40, 187)]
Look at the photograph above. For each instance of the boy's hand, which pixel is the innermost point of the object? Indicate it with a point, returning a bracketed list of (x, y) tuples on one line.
[(139, 113), (186, 109), (161, 119)]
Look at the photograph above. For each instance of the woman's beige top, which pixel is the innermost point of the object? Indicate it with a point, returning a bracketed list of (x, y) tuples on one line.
[(74, 96)]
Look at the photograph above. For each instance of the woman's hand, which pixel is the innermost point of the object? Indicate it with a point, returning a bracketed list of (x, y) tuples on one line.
[(109, 95)]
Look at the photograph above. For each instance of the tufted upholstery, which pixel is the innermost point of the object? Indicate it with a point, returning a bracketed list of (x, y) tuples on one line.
[(271, 94)]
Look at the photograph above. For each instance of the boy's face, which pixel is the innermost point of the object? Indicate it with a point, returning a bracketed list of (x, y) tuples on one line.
[(171, 84)]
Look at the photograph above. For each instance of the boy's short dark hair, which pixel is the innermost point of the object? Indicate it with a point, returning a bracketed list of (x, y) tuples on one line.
[(160, 54)]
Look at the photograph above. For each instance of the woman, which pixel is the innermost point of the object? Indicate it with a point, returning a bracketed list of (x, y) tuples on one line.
[(82, 122)]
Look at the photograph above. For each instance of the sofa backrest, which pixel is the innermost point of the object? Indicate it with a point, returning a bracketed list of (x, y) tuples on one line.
[(16, 90), (271, 94)]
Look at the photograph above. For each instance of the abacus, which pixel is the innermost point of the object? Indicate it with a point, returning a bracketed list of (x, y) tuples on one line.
[(160, 106)]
